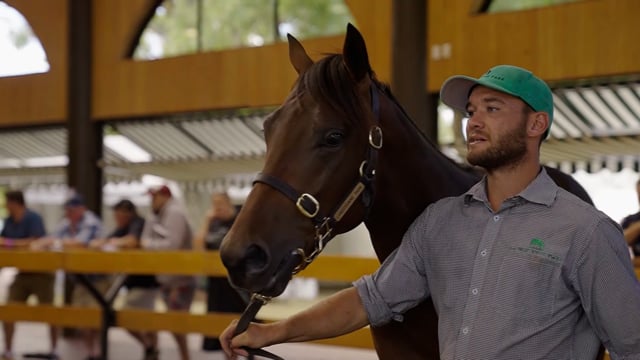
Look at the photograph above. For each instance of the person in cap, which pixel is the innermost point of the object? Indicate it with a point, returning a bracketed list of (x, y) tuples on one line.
[(78, 229), (516, 266), (167, 228)]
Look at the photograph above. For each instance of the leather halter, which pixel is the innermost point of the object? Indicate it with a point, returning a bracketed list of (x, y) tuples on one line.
[(309, 207)]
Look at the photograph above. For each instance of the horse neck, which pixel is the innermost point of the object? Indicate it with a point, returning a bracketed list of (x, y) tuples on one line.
[(411, 174)]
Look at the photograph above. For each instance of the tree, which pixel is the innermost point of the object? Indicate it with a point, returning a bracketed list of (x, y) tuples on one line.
[(189, 26)]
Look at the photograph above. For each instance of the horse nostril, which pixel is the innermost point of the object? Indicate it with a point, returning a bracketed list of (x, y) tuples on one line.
[(256, 259)]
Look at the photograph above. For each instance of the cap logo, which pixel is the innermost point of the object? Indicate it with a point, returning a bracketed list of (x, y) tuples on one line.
[(497, 77)]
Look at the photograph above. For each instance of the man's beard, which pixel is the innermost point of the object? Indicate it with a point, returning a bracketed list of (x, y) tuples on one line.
[(508, 151)]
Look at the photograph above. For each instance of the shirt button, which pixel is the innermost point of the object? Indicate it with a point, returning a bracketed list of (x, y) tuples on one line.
[(483, 252), (465, 330), (496, 218), (474, 291)]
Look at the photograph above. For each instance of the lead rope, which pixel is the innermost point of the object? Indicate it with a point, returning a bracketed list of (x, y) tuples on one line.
[(256, 302)]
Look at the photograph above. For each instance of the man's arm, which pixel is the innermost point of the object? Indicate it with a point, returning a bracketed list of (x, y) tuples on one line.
[(339, 314), (16, 243)]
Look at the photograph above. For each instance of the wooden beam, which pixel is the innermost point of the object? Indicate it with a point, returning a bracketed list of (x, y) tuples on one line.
[(360, 339), (32, 260), (326, 267), (81, 317), (211, 324)]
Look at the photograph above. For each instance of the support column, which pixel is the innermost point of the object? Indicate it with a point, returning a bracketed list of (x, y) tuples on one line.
[(409, 64), (84, 136)]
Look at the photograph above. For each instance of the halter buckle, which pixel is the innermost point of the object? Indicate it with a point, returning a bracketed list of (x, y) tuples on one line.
[(303, 200), (375, 137)]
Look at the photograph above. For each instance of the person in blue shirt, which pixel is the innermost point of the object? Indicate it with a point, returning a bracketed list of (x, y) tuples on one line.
[(21, 228), (79, 227)]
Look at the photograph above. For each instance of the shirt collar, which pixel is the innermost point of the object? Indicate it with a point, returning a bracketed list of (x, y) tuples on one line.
[(542, 190)]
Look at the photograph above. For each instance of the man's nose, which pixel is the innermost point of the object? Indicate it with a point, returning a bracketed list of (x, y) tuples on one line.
[(473, 121)]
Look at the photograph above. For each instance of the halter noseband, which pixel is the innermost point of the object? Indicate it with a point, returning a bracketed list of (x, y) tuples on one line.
[(309, 206)]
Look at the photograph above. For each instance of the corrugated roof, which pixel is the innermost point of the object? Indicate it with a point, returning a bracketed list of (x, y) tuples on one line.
[(594, 126)]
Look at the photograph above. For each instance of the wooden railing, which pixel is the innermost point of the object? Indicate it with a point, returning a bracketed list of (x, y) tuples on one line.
[(329, 268)]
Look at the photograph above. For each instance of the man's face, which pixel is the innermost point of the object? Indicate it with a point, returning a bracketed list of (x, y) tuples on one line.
[(157, 201), (74, 213), (496, 130), (12, 208), (121, 217)]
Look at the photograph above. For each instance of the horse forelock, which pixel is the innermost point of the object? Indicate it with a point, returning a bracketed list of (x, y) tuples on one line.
[(329, 82)]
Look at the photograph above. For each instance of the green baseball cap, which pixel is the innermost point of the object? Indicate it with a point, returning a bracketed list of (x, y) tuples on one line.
[(508, 79)]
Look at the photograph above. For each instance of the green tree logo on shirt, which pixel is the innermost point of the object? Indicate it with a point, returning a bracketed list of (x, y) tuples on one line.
[(536, 244)]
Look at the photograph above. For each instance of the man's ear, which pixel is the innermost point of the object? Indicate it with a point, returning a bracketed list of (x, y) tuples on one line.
[(537, 124)]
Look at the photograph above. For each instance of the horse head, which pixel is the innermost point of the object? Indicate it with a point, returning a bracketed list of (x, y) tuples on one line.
[(319, 165)]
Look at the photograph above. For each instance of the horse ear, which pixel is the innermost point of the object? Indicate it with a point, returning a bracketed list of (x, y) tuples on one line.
[(355, 54), (298, 57)]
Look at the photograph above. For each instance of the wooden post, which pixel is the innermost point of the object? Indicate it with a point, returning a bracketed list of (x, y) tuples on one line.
[(409, 64), (84, 135)]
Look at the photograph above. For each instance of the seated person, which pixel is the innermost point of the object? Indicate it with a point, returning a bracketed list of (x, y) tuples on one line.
[(142, 289), (21, 228), (168, 229), (78, 228), (221, 296)]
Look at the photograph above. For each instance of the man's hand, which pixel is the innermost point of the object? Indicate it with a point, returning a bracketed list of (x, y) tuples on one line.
[(41, 244), (256, 336), (97, 243)]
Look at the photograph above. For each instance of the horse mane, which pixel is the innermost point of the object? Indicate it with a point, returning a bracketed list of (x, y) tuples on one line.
[(329, 79)]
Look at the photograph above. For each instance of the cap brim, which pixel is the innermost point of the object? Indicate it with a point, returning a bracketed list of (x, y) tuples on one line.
[(455, 91)]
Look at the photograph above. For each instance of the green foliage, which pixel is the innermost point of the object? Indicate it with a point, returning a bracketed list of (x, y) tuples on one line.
[(516, 5), (189, 26)]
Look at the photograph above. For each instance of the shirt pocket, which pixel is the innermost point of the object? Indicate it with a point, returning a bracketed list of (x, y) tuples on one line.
[(524, 293)]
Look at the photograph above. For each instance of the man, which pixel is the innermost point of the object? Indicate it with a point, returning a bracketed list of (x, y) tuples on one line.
[(168, 229), (631, 226), (78, 228), (517, 267), (21, 228), (141, 289)]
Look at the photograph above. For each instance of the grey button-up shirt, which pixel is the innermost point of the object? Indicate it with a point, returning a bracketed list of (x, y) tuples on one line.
[(544, 277)]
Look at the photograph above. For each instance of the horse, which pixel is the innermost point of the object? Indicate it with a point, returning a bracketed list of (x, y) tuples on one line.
[(341, 150)]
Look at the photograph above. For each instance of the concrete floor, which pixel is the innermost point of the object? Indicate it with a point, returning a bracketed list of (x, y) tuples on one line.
[(33, 337)]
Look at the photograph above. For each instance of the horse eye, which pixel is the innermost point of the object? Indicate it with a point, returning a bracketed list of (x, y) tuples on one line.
[(334, 138)]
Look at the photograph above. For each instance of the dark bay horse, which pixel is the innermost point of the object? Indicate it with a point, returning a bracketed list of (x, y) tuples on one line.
[(341, 150)]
